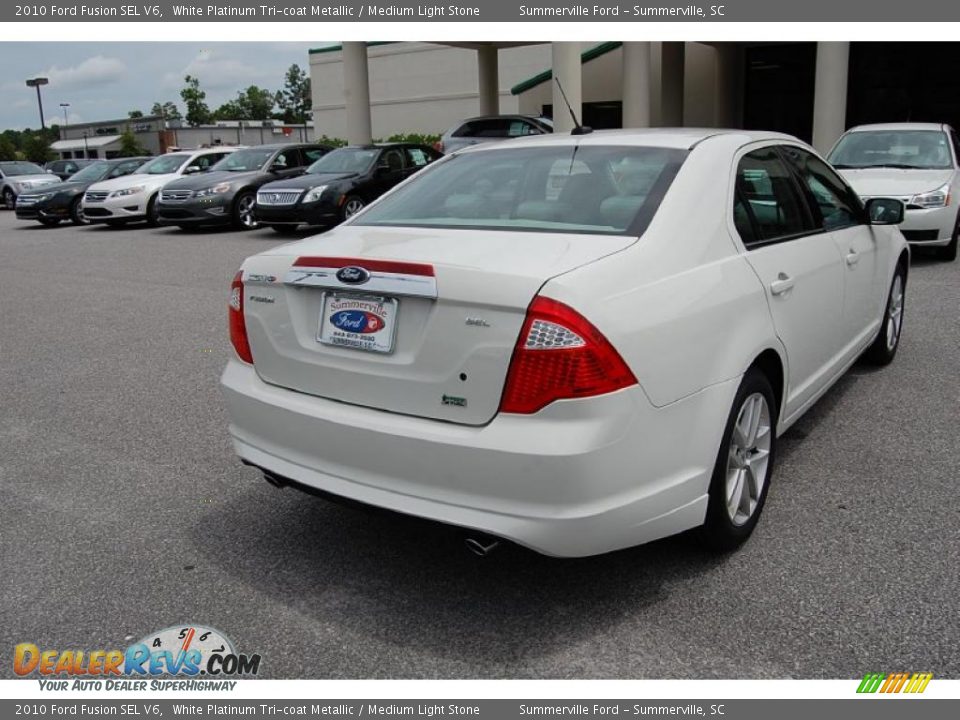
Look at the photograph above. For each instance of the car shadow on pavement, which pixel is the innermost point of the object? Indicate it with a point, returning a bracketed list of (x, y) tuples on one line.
[(411, 583)]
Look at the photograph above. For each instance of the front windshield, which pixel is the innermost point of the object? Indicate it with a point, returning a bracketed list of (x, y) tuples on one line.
[(164, 165), (905, 149), (560, 188), (91, 173), (345, 160), (22, 168), (244, 161)]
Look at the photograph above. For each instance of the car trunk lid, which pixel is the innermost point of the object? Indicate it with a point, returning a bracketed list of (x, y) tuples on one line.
[(438, 314)]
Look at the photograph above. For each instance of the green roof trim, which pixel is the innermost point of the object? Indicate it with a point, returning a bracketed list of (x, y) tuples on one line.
[(546, 75), (338, 48)]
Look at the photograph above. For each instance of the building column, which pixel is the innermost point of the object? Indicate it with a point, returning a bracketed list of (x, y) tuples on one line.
[(356, 93), (566, 68), (671, 86), (488, 74), (725, 109), (636, 84), (830, 93)]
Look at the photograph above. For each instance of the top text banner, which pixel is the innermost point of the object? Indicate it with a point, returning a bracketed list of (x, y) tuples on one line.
[(484, 11)]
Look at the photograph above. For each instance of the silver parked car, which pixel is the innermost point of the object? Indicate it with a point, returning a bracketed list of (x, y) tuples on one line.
[(17, 176), (491, 128)]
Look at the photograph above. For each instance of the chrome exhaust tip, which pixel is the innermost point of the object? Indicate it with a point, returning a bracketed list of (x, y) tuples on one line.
[(481, 546)]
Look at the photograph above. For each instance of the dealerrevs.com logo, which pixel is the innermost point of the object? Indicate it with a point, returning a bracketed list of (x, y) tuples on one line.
[(201, 657)]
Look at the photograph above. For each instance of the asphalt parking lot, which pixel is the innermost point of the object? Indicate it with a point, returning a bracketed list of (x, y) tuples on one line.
[(124, 510)]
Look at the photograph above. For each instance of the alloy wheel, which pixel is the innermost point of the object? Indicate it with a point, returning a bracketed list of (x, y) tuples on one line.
[(245, 212), (748, 459), (353, 206), (894, 319)]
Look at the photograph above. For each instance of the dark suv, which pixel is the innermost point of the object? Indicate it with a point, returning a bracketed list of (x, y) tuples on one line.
[(225, 195), (339, 184)]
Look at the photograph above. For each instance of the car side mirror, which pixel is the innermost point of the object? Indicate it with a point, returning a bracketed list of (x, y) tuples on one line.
[(278, 167), (885, 211), (193, 169)]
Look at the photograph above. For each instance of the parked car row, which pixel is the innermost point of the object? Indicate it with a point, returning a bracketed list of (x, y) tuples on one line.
[(286, 187)]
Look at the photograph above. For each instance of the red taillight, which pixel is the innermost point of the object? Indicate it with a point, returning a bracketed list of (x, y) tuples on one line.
[(238, 327), (560, 355)]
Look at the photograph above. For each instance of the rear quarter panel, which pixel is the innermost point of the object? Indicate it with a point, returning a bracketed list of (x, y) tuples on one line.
[(681, 305)]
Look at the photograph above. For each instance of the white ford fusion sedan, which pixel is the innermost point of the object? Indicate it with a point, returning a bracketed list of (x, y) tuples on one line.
[(576, 342)]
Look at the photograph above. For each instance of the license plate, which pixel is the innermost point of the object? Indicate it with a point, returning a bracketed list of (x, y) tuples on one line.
[(361, 322)]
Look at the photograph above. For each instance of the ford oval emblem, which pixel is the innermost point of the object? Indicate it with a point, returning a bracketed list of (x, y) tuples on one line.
[(353, 275), (357, 321)]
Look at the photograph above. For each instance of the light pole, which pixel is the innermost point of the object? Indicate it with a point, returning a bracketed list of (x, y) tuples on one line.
[(63, 135), (36, 83), (86, 150)]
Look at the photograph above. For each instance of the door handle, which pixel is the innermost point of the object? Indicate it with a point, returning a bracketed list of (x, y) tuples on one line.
[(853, 257), (782, 284)]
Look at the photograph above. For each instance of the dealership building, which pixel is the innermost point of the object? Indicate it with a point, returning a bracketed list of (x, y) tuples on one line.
[(812, 90), (157, 135)]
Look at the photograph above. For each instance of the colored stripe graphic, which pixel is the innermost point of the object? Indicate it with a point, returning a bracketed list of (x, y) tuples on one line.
[(894, 683)]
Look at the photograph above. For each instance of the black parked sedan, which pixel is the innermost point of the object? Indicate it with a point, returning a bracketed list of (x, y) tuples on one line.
[(339, 184), (226, 193), (53, 203)]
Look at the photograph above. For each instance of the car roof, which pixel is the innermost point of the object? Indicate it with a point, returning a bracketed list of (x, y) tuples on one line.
[(679, 138), (518, 116), (898, 126)]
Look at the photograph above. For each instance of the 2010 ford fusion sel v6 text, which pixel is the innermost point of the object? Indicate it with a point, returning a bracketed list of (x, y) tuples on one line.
[(576, 342)]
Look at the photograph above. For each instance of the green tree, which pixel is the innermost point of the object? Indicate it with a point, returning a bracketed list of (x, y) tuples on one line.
[(198, 112), (36, 148), (134, 114), (168, 110), (129, 145), (294, 99), (254, 103), (8, 151)]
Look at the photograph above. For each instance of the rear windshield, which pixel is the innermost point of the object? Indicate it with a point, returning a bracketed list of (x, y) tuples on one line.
[(594, 189), (906, 149)]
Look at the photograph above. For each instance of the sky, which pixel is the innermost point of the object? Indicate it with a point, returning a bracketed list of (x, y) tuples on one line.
[(105, 80)]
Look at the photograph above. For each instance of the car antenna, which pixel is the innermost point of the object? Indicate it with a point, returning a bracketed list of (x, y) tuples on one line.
[(578, 129)]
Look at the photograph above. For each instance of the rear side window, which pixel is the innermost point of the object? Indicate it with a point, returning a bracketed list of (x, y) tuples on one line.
[(835, 206), (313, 154), (417, 157), (770, 197), (588, 189), (486, 127)]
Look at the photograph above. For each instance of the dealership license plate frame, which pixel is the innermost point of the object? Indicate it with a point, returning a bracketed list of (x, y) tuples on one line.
[(328, 334)]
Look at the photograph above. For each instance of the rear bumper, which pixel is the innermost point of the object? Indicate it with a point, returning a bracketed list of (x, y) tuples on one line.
[(579, 478)]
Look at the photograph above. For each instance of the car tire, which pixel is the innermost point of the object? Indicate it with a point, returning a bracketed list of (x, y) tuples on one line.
[(9, 199), (76, 213), (243, 217), (744, 465), (49, 222), (351, 206), (884, 347), (285, 229), (949, 251), (153, 212)]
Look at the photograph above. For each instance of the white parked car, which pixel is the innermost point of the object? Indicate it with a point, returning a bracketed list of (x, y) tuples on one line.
[(133, 198), (916, 162), (18, 176), (578, 343)]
